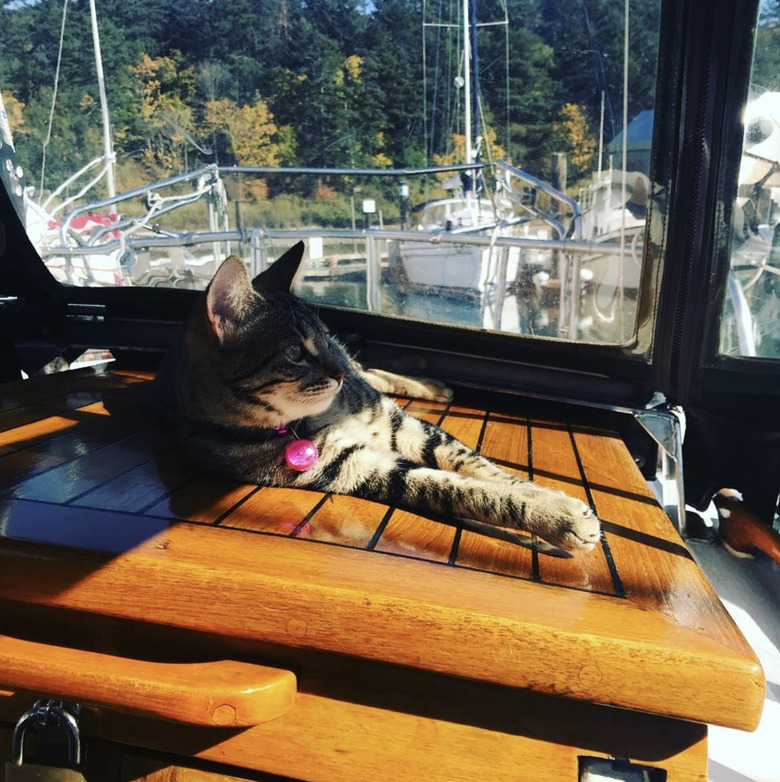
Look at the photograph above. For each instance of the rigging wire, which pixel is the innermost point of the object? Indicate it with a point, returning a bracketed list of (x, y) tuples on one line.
[(507, 94), (454, 91), (595, 48), (446, 99), (425, 83), (47, 140)]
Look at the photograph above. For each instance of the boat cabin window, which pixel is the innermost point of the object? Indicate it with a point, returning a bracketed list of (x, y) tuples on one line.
[(750, 320), (484, 164)]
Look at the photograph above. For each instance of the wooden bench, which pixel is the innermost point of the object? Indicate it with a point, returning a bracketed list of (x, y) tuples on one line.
[(422, 651)]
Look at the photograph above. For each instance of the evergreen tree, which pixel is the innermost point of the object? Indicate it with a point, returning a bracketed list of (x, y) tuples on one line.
[(766, 57), (342, 79), (587, 37), (393, 63)]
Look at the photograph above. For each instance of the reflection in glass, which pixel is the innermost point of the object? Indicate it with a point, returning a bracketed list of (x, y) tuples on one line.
[(194, 146), (750, 322)]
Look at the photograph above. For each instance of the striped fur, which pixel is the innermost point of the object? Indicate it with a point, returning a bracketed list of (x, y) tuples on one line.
[(253, 356)]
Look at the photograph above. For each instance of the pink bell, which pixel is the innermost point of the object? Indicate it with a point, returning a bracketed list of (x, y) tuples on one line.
[(301, 455)]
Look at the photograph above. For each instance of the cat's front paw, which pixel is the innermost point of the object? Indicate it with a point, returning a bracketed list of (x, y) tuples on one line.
[(434, 390), (564, 521)]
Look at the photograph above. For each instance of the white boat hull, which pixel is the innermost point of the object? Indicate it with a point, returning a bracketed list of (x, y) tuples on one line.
[(463, 268)]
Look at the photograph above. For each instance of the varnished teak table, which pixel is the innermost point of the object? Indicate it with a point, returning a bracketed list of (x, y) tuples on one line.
[(420, 651)]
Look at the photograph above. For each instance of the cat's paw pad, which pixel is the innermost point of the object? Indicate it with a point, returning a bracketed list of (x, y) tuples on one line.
[(567, 523)]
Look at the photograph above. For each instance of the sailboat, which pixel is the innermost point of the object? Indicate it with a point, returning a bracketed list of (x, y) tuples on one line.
[(528, 235), (491, 247), (92, 243), (457, 267)]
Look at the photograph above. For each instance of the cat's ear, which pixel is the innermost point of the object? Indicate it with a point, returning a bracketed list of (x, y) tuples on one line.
[(229, 298), (279, 275)]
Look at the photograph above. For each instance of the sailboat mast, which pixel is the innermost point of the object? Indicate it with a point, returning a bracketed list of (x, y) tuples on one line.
[(467, 79), (471, 89), (475, 73), (108, 150)]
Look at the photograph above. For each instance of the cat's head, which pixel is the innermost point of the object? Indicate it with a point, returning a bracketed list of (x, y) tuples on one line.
[(269, 358)]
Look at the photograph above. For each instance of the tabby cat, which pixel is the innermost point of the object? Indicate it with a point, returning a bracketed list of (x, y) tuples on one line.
[(258, 373)]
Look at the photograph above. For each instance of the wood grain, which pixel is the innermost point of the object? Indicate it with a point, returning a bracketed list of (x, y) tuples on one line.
[(69, 481), (450, 620), (464, 735), (482, 553), (222, 693), (556, 465), (205, 498), (273, 510), (65, 394), (415, 536), (425, 410), (505, 440), (656, 570), (346, 520), (140, 768), (464, 423), (140, 487), (328, 740), (90, 527)]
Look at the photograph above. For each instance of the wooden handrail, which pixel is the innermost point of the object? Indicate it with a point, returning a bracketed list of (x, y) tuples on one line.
[(224, 693)]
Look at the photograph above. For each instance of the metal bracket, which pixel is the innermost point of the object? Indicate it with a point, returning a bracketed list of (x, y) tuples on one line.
[(666, 425)]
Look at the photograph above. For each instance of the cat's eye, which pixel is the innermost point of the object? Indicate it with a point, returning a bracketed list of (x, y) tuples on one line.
[(294, 352)]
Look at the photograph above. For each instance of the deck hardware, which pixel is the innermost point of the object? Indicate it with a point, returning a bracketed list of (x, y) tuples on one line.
[(45, 715), (618, 770), (666, 425)]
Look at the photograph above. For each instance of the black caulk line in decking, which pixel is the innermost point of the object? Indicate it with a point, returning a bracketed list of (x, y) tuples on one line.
[(535, 574), (617, 582), (380, 529), (309, 516), (453, 558), (223, 516), (167, 494), (478, 449), (455, 546), (444, 414)]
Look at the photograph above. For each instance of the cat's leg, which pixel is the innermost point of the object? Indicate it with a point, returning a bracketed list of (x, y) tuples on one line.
[(385, 477), (429, 446), (403, 385)]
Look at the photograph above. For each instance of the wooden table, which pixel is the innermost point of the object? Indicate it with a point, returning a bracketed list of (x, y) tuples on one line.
[(421, 651)]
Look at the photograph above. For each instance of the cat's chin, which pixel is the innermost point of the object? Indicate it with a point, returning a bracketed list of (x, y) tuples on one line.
[(294, 410)]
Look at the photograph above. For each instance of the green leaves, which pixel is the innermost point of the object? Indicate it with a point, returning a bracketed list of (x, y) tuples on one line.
[(336, 83)]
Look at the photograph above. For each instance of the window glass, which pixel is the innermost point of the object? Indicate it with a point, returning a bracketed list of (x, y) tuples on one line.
[(149, 141), (750, 321)]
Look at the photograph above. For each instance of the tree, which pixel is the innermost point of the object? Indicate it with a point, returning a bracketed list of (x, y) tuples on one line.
[(575, 136), (250, 130), (253, 138), (393, 64), (587, 38), (166, 87), (520, 94), (341, 80), (766, 56), (14, 110)]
